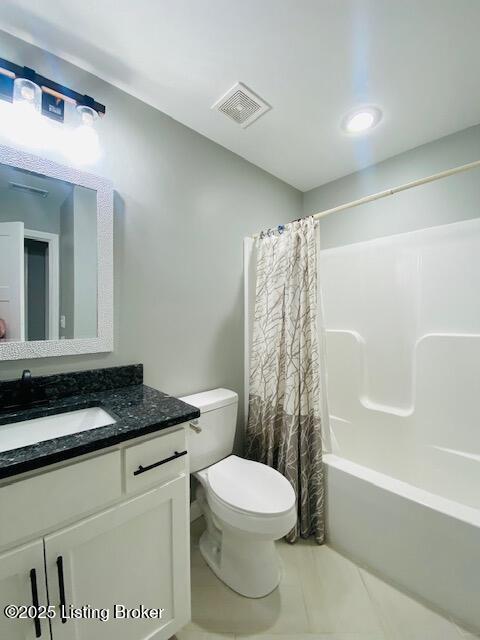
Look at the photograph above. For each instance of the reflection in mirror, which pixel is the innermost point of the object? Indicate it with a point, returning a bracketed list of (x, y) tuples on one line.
[(48, 258)]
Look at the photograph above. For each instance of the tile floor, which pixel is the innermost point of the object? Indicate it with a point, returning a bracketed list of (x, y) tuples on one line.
[(323, 596)]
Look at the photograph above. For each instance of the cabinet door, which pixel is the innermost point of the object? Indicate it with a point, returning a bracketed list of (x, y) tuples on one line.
[(134, 554), (22, 582)]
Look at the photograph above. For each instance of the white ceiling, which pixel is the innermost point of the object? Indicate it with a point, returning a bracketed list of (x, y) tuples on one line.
[(312, 60)]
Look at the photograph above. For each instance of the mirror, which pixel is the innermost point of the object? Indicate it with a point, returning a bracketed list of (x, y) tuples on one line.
[(56, 259), (48, 258)]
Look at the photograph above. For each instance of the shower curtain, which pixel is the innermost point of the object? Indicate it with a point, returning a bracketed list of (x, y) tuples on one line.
[(284, 422)]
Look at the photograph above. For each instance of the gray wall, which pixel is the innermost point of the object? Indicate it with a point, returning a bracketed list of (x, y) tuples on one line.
[(85, 262), (448, 200), (36, 290), (182, 208), (78, 264), (36, 213), (67, 268)]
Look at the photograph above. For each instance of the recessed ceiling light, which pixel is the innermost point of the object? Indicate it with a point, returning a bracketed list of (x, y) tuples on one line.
[(361, 120)]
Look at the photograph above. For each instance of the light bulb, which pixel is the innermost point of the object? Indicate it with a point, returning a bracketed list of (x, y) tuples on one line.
[(87, 115), (82, 145), (27, 92)]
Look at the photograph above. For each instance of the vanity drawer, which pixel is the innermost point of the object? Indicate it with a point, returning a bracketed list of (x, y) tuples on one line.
[(44, 501), (155, 461)]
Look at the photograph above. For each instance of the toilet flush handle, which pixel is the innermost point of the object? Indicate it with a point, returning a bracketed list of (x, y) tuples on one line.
[(194, 426)]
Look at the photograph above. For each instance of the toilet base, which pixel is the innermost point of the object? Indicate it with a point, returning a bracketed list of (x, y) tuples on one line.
[(249, 566)]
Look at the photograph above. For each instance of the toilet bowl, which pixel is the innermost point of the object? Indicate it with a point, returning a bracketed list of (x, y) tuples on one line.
[(247, 505)]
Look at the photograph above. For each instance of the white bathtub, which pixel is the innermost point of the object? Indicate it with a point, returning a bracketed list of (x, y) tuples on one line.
[(402, 321), (424, 543)]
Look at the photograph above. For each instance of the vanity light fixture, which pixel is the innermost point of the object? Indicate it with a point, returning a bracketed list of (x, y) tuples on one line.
[(34, 96), (361, 120), (22, 84)]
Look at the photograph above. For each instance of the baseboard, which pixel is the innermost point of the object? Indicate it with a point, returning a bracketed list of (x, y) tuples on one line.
[(195, 511)]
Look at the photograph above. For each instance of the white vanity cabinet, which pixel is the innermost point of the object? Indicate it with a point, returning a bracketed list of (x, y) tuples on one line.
[(133, 553)]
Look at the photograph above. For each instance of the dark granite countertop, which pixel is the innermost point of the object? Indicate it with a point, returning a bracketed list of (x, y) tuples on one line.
[(137, 409)]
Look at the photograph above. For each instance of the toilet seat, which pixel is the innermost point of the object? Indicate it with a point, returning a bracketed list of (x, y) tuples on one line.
[(242, 494), (250, 488)]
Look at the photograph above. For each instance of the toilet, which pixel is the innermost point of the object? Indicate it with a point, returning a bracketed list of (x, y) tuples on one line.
[(247, 505)]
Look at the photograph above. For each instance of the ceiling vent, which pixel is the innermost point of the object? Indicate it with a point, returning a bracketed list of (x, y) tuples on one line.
[(241, 105), (28, 189)]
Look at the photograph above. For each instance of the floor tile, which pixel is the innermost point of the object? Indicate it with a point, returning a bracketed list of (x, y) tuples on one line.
[(194, 632), (467, 635), (294, 558), (322, 596), (313, 636), (335, 595), (404, 618), (217, 609), (197, 527), (201, 574)]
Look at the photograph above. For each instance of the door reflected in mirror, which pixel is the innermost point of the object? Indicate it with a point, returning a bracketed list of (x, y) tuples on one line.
[(48, 258)]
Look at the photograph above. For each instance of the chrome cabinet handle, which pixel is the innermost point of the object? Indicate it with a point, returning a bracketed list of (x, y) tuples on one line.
[(36, 620), (193, 424), (157, 464)]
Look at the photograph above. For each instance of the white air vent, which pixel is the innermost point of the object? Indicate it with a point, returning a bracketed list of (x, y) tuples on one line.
[(241, 105), (27, 188)]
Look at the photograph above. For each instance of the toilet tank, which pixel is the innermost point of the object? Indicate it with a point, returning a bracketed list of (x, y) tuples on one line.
[(210, 438)]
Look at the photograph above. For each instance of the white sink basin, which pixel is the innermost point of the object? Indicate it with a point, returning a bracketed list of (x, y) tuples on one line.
[(22, 434)]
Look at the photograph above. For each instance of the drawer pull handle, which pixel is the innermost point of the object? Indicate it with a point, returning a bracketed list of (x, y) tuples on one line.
[(61, 588), (36, 620), (157, 464)]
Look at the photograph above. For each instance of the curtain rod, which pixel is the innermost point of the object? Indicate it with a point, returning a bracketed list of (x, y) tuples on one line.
[(391, 192)]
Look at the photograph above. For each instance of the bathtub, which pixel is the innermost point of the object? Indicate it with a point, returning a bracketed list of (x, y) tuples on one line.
[(401, 327), (400, 323), (423, 543)]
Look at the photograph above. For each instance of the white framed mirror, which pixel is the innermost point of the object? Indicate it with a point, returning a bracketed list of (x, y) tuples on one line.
[(56, 259)]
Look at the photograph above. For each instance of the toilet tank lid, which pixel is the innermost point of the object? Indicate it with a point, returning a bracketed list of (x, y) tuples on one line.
[(209, 400)]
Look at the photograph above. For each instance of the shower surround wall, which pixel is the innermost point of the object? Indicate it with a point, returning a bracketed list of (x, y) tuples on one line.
[(400, 280), (402, 319), (182, 207)]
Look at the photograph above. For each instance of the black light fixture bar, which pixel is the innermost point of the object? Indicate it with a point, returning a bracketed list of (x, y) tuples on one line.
[(12, 70)]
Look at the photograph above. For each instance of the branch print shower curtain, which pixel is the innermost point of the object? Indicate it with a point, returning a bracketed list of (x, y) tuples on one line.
[(284, 423)]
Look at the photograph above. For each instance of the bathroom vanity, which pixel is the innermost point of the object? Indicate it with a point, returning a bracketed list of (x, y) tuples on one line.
[(94, 470), (97, 516)]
